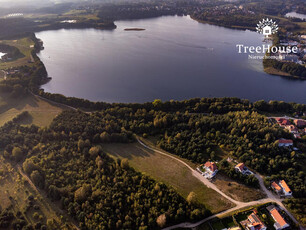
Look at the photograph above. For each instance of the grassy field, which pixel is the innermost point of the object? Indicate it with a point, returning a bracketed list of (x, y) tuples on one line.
[(168, 171), (237, 190), (25, 45), (41, 112), (218, 224)]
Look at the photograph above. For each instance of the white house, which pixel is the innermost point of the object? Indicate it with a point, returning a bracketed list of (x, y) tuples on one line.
[(210, 169), (286, 190)]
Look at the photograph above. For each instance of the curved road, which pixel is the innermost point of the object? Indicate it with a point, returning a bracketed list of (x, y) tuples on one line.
[(239, 204)]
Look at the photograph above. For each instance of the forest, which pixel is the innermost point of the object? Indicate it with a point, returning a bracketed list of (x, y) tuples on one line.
[(288, 67), (99, 192), (66, 159)]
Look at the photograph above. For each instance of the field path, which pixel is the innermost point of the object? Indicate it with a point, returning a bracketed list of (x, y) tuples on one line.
[(239, 204), (47, 204), (194, 173)]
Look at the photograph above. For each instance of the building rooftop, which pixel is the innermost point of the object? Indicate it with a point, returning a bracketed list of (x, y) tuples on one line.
[(285, 186), (211, 165), (285, 141), (240, 166), (278, 218), (276, 186)]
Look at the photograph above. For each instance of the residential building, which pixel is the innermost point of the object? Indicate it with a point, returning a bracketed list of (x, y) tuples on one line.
[(285, 142), (280, 223), (286, 190), (276, 187), (253, 223), (300, 123), (210, 169), (240, 168), (292, 129), (285, 122)]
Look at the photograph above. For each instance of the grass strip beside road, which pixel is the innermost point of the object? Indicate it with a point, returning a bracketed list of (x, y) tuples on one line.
[(169, 171)]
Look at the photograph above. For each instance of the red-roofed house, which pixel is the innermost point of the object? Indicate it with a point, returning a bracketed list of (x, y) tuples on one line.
[(286, 122), (280, 223), (285, 142), (276, 187), (300, 123), (286, 190), (210, 169), (253, 223), (279, 120)]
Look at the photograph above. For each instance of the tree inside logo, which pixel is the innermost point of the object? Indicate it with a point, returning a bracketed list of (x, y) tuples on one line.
[(267, 27)]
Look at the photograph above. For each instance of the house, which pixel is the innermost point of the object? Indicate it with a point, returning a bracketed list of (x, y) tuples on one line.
[(276, 187), (210, 169), (300, 123), (285, 143), (286, 190), (292, 129), (240, 168), (279, 119), (253, 223), (280, 223), (285, 122), (281, 188)]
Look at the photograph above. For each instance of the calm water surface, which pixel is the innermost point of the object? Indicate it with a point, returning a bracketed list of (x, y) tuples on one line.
[(174, 58)]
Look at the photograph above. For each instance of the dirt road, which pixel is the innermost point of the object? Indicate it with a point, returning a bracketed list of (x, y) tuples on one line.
[(239, 204)]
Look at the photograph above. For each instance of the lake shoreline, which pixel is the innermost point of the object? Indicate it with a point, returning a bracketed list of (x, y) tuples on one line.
[(167, 37)]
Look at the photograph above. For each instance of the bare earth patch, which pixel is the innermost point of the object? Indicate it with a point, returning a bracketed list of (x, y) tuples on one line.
[(237, 190)]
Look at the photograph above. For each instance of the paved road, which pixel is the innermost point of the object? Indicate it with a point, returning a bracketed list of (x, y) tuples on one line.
[(239, 204)]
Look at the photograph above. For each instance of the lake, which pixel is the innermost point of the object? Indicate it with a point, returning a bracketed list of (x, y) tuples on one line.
[(174, 58), (296, 15)]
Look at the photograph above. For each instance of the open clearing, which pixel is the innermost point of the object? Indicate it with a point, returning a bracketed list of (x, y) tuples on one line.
[(41, 112), (25, 45), (237, 190), (168, 171)]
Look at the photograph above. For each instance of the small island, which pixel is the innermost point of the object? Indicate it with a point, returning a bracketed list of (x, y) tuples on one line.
[(134, 29)]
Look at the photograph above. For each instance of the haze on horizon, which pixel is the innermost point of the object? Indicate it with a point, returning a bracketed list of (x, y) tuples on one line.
[(43, 3)]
